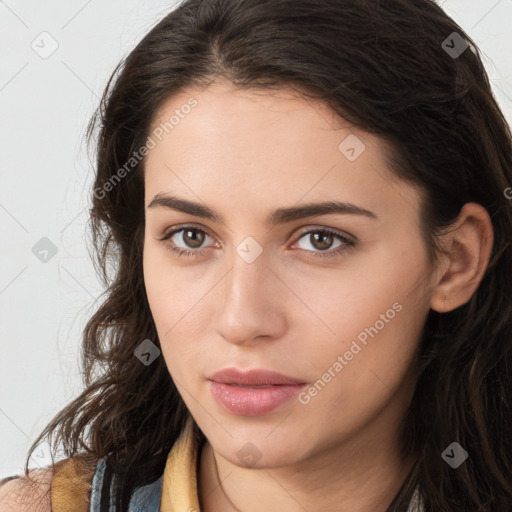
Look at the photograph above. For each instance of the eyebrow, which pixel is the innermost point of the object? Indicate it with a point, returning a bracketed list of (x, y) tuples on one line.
[(279, 216)]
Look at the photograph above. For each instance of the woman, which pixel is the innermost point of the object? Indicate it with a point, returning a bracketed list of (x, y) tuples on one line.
[(305, 205)]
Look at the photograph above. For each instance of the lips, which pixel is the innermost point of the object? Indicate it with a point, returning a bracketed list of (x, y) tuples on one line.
[(252, 392), (257, 378)]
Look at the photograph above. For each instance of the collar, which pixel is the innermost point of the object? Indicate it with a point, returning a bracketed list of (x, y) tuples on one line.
[(179, 489)]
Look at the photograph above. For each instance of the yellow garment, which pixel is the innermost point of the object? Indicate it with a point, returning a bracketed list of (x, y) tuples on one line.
[(71, 486), (71, 483), (179, 489)]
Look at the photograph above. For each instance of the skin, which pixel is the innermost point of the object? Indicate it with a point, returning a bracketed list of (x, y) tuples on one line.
[(245, 154), (30, 494)]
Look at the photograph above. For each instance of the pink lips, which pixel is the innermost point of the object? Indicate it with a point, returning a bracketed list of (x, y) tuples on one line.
[(253, 392)]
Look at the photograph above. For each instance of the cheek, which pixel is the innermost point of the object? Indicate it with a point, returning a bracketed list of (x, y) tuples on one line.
[(175, 298), (171, 289), (354, 381), (373, 356), (378, 318), (373, 291)]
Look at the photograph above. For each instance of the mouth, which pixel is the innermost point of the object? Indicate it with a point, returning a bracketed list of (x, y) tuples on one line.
[(252, 392)]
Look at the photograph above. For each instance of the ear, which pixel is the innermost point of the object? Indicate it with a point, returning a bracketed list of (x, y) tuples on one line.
[(468, 246)]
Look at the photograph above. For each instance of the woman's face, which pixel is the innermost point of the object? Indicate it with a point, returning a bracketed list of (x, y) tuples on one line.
[(255, 282)]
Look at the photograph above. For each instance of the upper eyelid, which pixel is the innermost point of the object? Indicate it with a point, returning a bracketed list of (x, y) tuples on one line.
[(181, 227)]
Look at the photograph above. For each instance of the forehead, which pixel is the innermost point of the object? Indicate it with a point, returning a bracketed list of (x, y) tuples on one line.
[(264, 144)]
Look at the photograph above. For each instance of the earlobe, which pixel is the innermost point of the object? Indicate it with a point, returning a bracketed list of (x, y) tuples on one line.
[(469, 246)]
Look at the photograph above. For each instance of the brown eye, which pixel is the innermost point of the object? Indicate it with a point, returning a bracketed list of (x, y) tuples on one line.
[(186, 241), (193, 238), (321, 241)]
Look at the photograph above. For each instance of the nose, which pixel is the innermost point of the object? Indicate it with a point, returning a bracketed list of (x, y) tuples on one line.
[(251, 305)]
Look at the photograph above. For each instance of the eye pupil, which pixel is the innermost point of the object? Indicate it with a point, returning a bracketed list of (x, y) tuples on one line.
[(327, 240), (196, 241)]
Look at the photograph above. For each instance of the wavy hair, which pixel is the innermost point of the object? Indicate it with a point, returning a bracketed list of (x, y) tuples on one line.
[(382, 65)]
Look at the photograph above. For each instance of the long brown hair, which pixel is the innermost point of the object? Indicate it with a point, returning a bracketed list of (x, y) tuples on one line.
[(384, 66)]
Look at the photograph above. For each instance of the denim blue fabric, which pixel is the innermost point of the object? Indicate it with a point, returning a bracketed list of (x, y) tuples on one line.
[(144, 499)]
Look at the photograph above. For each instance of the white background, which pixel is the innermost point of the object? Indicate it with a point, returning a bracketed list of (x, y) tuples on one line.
[(45, 179)]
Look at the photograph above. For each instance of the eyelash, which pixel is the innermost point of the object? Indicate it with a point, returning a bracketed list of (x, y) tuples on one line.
[(187, 253)]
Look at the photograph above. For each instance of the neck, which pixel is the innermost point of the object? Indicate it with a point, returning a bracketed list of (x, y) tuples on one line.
[(367, 481)]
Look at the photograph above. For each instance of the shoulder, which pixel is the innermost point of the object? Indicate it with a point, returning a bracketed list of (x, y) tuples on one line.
[(68, 481), (27, 493)]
